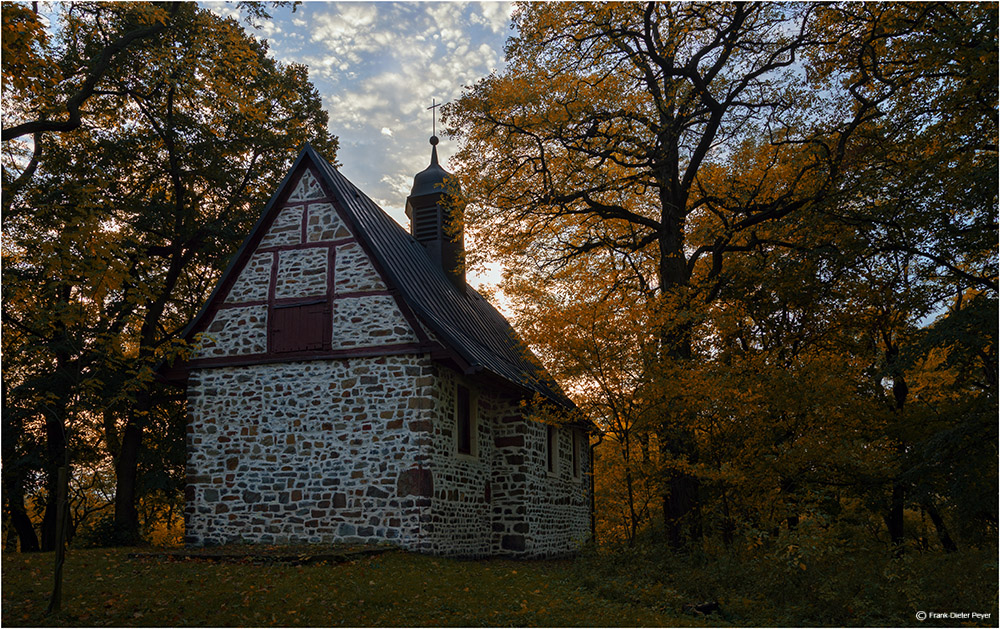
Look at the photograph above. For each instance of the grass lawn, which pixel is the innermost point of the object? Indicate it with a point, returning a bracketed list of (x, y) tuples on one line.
[(104, 587)]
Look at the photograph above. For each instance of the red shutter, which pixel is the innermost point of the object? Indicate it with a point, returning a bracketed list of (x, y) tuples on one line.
[(300, 327)]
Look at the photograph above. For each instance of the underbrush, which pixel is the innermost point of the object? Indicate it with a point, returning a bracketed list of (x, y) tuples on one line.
[(788, 584)]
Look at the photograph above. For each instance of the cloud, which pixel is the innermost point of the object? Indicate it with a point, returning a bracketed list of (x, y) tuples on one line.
[(377, 66), (223, 9), (494, 15)]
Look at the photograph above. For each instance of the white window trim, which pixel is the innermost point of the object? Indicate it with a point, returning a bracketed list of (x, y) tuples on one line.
[(576, 441), (554, 452), (473, 425)]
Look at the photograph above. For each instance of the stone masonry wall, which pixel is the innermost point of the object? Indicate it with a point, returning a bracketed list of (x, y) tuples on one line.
[(501, 500), (363, 450), (459, 520), (315, 451), (557, 504)]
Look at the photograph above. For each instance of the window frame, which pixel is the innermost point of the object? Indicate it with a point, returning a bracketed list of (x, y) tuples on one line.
[(473, 399), (552, 450)]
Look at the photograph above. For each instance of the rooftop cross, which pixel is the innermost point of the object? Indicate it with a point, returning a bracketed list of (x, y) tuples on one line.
[(433, 106)]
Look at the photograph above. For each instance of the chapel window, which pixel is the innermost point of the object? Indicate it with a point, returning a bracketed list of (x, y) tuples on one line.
[(576, 454), (551, 448), (465, 431)]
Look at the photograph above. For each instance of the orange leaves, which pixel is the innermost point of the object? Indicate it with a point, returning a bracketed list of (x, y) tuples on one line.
[(26, 67)]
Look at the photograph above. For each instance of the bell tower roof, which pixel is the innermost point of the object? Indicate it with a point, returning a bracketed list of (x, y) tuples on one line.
[(432, 179)]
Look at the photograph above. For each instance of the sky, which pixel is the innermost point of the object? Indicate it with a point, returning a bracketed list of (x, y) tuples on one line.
[(377, 66)]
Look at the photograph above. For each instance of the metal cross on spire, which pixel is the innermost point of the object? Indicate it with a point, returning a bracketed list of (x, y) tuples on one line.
[(433, 107)]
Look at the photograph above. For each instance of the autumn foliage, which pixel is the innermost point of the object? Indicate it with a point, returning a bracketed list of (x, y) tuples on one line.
[(140, 142), (757, 245)]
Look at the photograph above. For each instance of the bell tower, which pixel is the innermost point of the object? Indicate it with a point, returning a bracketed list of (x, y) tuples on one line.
[(436, 217)]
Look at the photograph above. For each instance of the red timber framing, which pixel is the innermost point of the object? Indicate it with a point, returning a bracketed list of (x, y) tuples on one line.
[(300, 328)]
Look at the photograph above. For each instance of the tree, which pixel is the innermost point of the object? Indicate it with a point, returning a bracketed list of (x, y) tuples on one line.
[(614, 112), (728, 141), (130, 217), (923, 201), (584, 321)]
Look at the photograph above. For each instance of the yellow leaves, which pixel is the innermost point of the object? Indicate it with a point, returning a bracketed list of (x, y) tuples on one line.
[(26, 64), (149, 13)]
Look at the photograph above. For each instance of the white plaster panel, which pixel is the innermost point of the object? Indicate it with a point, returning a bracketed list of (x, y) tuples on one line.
[(368, 321), (323, 223), (234, 332), (286, 228), (307, 187)]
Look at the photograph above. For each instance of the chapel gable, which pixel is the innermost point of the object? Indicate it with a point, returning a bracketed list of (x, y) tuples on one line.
[(303, 284)]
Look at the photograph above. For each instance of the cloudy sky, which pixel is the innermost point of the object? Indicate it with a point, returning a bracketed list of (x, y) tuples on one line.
[(378, 65)]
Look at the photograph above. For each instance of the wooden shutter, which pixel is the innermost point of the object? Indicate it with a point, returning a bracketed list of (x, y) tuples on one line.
[(300, 327)]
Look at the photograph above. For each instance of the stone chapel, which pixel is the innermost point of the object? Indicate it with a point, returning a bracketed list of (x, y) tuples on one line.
[(348, 385)]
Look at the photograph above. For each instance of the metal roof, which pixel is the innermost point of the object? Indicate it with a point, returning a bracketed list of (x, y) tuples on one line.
[(461, 318)]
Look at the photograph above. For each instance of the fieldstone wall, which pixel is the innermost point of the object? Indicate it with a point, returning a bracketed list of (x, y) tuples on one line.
[(355, 272), (235, 332), (302, 273), (286, 228), (308, 452), (537, 513), (253, 281), (369, 322), (363, 450), (501, 500), (557, 514), (459, 519)]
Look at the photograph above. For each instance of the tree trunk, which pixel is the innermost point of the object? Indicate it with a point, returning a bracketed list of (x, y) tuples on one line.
[(55, 434), (126, 477), (26, 537), (788, 489), (633, 524), (900, 391), (681, 508), (682, 512), (947, 542), (894, 518), (728, 525)]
